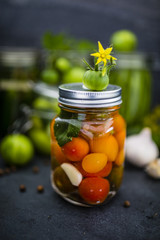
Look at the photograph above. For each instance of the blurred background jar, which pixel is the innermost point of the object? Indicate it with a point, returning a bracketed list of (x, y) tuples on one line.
[(17, 67), (133, 75), (35, 118)]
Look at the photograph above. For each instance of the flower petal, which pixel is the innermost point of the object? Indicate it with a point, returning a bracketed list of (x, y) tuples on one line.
[(99, 60), (104, 60), (109, 57), (108, 50), (101, 49), (114, 58), (97, 54)]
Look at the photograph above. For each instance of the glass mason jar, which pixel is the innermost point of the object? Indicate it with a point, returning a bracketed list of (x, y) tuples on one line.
[(134, 76), (17, 67), (87, 144)]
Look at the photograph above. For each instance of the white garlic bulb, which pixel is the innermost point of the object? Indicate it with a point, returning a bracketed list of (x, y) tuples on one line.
[(141, 149), (153, 169)]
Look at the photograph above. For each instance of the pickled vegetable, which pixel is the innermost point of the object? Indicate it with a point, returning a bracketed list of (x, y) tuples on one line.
[(94, 162), (62, 181), (107, 145), (115, 177), (94, 190), (120, 158), (103, 173), (119, 123), (90, 164), (120, 137), (57, 152), (73, 174), (76, 149)]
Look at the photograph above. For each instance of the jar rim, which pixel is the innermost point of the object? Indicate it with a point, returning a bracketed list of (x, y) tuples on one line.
[(76, 95)]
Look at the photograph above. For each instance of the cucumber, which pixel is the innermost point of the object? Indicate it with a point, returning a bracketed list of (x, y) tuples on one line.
[(136, 93)]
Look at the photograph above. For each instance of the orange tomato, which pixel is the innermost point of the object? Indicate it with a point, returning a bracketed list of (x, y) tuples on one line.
[(76, 149), (103, 173), (57, 152), (52, 129), (120, 137), (106, 144), (118, 123), (120, 158), (94, 162)]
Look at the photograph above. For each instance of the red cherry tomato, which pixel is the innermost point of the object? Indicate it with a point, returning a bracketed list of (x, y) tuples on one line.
[(94, 190), (76, 149)]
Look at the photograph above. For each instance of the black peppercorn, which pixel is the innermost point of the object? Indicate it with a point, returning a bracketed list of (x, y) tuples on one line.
[(1, 172), (35, 169), (126, 204), (22, 188), (40, 188), (7, 170), (13, 168)]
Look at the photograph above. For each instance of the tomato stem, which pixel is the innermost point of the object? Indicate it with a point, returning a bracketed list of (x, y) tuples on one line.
[(95, 65), (88, 65)]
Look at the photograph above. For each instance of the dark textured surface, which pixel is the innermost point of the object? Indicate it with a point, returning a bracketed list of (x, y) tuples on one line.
[(31, 215)]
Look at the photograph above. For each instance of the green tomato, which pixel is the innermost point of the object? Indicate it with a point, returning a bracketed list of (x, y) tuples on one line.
[(50, 76), (124, 41), (115, 177), (54, 106), (62, 64), (94, 80), (47, 129), (74, 75), (62, 182), (41, 103), (36, 122), (40, 140), (16, 149)]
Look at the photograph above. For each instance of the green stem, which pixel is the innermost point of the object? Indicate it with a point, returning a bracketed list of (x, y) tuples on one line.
[(95, 65), (88, 64)]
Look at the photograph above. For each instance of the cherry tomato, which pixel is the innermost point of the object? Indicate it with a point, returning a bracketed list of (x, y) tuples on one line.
[(103, 173), (50, 76), (124, 41), (62, 64), (94, 162), (94, 190), (95, 81), (76, 149)]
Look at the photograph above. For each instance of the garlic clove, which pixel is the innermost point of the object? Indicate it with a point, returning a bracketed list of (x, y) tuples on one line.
[(140, 148), (153, 169), (73, 174)]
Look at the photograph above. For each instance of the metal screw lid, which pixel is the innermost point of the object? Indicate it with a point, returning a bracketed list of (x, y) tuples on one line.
[(45, 90), (76, 95)]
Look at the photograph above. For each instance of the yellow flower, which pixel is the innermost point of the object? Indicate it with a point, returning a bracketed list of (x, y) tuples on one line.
[(103, 54)]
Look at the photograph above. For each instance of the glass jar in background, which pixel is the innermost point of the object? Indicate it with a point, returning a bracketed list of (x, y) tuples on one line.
[(134, 76), (17, 67), (36, 125), (34, 119), (43, 108), (87, 144), (19, 64)]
